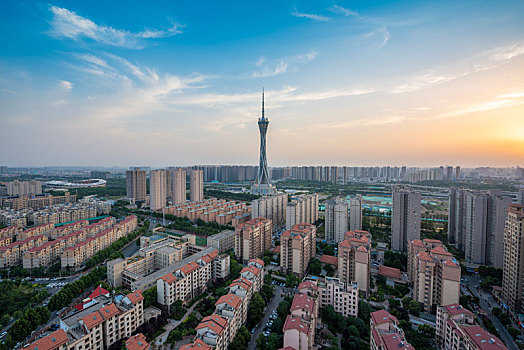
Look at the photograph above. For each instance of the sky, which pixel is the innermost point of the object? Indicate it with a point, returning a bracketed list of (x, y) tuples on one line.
[(357, 83)]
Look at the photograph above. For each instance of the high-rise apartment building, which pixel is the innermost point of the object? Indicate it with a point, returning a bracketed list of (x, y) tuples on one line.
[(196, 186), (136, 184), (253, 238), (520, 196), (270, 207), (24, 188), (355, 213), (513, 267), (476, 224), (157, 189), (304, 209), (434, 274), (298, 247), (178, 179), (336, 220), (354, 259), (405, 218)]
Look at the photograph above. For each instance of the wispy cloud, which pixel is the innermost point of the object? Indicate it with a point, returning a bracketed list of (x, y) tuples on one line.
[(68, 24), (501, 101), (269, 68), (422, 80), (342, 11), (382, 33), (67, 85), (311, 16)]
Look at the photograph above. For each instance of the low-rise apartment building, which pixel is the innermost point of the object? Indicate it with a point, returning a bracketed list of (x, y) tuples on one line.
[(434, 274), (98, 326), (300, 326), (219, 329), (386, 334), (456, 329), (341, 295), (297, 248), (354, 259)]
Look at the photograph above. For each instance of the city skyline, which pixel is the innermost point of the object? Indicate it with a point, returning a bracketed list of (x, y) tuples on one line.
[(416, 84)]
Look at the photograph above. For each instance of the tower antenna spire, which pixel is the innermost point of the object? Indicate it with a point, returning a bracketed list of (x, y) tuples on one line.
[(262, 102)]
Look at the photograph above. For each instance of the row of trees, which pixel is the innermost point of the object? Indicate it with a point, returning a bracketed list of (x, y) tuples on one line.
[(354, 330), (24, 326), (17, 295), (74, 289), (245, 197), (184, 224)]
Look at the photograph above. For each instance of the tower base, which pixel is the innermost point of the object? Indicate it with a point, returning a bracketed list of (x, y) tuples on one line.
[(263, 189)]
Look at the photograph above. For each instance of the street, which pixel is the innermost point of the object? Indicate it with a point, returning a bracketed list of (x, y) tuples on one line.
[(485, 300), (269, 309)]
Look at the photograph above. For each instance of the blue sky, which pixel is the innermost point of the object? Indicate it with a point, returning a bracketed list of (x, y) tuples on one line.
[(351, 83)]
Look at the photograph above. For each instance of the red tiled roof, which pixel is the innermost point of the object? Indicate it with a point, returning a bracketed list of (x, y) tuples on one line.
[(362, 249), (135, 297), (441, 251), (169, 278), (258, 261), (295, 323), (303, 302), (308, 284), (456, 309), (93, 319), (276, 250), (198, 344), (429, 240), (450, 263), (251, 269), (189, 267), (417, 242), (424, 256), (389, 272), (109, 311), (483, 339), (50, 342), (382, 316), (137, 342), (329, 259), (393, 341), (230, 299), (215, 325)]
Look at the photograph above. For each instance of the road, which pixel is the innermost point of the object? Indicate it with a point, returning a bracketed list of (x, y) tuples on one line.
[(269, 309), (485, 300)]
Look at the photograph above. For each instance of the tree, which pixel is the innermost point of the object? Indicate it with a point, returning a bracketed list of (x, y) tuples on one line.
[(292, 281), (256, 310), (414, 307), (315, 268), (241, 339), (364, 311), (267, 292)]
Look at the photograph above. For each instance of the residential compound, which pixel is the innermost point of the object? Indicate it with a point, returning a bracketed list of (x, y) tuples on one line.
[(163, 257), (271, 207), (297, 248), (222, 241), (386, 333), (303, 209), (336, 220), (300, 325), (97, 327), (456, 329), (212, 210), (157, 189), (434, 274), (513, 267), (330, 291), (405, 218), (354, 259), (35, 202), (220, 328), (253, 238), (476, 224), (70, 244)]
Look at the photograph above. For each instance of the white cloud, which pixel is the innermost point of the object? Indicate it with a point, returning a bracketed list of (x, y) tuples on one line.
[(269, 68), (381, 32), (66, 85), (310, 16), (342, 11), (421, 81), (68, 24), (502, 101)]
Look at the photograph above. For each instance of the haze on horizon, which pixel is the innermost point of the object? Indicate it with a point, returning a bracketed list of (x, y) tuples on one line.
[(347, 83)]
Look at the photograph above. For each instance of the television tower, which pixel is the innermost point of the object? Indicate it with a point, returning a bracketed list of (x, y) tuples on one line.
[(262, 184)]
